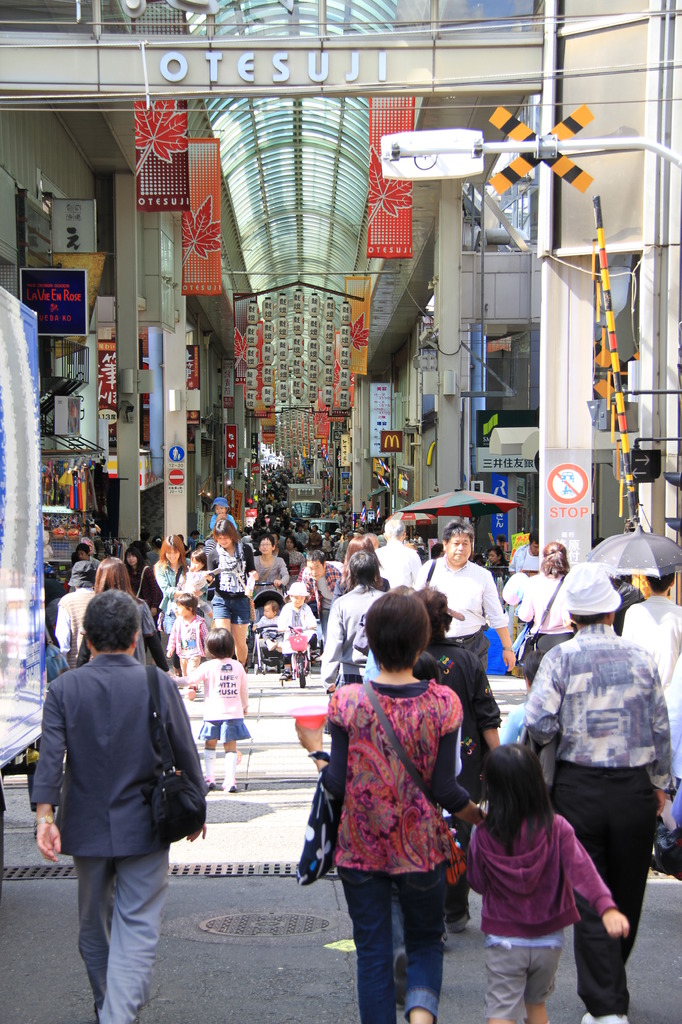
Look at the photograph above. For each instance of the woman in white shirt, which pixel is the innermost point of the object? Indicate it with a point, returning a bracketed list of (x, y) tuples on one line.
[(553, 626)]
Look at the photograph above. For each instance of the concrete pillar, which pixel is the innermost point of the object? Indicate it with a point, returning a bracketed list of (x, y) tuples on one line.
[(175, 420), (127, 354), (448, 263), (566, 361)]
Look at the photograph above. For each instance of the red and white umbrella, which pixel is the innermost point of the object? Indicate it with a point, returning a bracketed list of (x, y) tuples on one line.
[(466, 504), (416, 518)]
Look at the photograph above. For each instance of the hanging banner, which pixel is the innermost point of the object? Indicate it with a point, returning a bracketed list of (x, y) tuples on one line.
[(360, 291), (389, 229), (201, 257), (321, 421), (344, 382), (240, 312), (161, 149)]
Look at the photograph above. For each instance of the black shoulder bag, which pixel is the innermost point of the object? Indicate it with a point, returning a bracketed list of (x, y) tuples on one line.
[(456, 857), (178, 804)]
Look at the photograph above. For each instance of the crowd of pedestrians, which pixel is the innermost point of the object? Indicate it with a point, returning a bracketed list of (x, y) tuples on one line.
[(410, 632)]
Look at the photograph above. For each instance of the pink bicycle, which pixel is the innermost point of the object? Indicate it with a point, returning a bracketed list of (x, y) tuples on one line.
[(299, 642)]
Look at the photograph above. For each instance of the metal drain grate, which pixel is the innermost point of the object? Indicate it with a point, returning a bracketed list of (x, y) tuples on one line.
[(273, 926), (26, 873)]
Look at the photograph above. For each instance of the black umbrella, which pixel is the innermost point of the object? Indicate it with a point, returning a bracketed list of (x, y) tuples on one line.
[(638, 552)]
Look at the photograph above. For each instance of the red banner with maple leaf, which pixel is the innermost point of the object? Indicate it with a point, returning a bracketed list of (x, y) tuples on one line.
[(162, 159), (389, 229), (241, 306), (201, 258), (359, 291), (321, 421)]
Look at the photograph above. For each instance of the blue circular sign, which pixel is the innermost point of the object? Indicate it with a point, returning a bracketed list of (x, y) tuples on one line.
[(176, 453)]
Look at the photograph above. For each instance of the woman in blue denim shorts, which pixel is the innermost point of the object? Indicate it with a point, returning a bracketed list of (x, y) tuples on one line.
[(234, 572)]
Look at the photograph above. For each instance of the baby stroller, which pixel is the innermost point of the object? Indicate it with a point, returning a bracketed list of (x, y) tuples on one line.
[(266, 657)]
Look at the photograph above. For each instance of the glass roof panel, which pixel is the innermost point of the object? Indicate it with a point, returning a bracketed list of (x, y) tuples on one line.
[(297, 173)]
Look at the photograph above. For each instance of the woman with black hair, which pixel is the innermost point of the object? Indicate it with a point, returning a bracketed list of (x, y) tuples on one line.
[(463, 673), (232, 566), (341, 663), (390, 834), (526, 862)]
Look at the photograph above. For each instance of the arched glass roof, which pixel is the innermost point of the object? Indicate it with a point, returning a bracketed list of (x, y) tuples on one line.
[(297, 173)]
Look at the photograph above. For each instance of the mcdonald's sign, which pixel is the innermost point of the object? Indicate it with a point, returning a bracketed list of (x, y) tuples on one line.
[(391, 441)]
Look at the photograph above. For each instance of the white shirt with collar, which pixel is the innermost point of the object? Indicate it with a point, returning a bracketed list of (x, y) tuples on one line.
[(399, 565), (470, 590)]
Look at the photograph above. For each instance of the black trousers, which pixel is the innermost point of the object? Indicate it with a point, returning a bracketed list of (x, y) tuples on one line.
[(613, 812)]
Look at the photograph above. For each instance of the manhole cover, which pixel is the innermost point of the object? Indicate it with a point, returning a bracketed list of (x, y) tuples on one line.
[(275, 926)]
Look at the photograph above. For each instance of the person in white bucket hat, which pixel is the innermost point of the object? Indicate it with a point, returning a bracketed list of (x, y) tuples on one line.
[(603, 697)]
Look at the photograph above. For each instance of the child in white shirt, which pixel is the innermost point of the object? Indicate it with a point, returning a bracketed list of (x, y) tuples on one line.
[(188, 635), (226, 703), (296, 614), (197, 581)]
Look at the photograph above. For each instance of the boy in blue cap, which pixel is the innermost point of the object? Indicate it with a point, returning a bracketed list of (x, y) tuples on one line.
[(220, 511)]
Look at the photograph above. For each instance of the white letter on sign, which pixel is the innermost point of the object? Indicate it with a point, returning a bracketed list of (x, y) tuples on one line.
[(245, 67), (173, 58), (212, 56), (352, 75), (313, 74), (279, 64)]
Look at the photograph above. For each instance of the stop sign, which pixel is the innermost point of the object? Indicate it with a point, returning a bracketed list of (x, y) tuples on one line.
[(176, 477)]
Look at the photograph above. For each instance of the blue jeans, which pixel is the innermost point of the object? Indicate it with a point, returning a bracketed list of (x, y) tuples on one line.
[(421, 895)]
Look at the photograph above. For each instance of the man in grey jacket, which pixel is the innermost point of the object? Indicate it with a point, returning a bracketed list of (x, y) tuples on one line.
[(100, 716)]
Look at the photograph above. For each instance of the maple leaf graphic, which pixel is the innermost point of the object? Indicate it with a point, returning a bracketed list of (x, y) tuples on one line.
[(160, 129), (239, 345), (386, 195), (359, 334), (200, 233)]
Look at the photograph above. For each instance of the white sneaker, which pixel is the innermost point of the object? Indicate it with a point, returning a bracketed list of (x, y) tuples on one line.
[(609, 1018)]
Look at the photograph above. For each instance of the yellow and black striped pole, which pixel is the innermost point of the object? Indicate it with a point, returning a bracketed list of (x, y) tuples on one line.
[(615, 361)]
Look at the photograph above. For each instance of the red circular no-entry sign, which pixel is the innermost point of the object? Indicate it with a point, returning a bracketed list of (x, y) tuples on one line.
[(567, 483), (176, 477)]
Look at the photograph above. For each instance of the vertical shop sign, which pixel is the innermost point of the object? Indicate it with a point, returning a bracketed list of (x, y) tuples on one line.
[(201, 257), (228, 383), (192, 382), (499, 523), (107, 398), (389, 230), (231, 448), (161, 150), (379, 415)]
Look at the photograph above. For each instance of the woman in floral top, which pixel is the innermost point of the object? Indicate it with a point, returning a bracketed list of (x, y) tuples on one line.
[(390, 832)]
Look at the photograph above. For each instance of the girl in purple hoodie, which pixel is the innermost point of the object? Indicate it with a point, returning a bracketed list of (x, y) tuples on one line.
[(526, 861)]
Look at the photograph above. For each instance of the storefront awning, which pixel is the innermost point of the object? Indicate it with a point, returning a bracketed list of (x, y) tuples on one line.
[(521, 441)]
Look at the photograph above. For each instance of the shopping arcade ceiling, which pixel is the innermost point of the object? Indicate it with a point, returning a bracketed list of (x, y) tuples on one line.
[(296, 170)]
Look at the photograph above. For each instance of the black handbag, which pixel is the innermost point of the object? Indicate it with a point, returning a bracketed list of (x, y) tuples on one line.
[(668, 850), (320, 835), (177, 803)]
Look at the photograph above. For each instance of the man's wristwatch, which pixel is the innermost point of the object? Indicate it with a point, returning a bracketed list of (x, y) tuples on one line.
[(46, 819)]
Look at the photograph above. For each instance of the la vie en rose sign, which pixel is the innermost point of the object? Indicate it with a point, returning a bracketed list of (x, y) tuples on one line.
[(59, 297)]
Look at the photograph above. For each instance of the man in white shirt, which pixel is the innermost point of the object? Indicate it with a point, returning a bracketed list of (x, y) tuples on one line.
[(656, 625), (471, 593), (400, 565)]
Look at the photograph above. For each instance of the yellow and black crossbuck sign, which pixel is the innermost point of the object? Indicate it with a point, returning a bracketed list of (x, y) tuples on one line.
[(522, 165)]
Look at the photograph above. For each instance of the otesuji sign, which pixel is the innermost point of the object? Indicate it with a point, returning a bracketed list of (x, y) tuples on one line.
[(59, 298)]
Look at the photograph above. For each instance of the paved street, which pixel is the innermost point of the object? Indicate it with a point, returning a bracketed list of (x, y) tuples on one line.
[(241, 941)]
